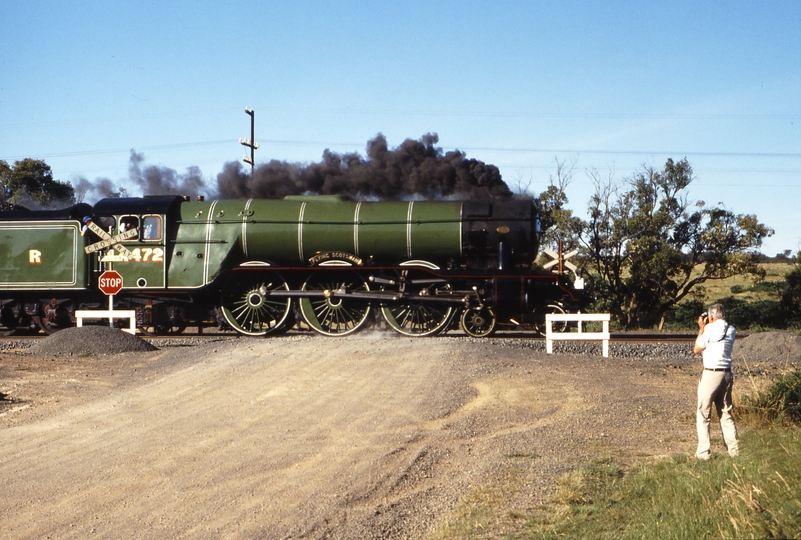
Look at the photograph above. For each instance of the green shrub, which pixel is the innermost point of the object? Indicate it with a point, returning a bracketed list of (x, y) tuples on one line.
[(685, 315), (780, 402), (760, 314), (791, 297), (776, 288)]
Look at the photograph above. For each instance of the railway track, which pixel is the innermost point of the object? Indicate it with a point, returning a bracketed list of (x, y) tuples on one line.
[(191, 332)]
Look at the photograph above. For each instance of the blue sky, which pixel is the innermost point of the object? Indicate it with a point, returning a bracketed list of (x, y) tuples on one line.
[(606, 85)]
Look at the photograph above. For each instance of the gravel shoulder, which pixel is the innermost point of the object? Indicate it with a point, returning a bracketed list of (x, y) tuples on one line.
[(298, 436)]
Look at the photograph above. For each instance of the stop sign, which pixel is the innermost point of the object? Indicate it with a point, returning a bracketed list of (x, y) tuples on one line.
[(110, 282)]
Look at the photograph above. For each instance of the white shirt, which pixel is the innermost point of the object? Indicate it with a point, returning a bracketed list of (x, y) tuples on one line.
[(717, 342)]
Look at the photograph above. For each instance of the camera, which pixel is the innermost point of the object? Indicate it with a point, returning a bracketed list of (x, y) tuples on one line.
[(705, 317)]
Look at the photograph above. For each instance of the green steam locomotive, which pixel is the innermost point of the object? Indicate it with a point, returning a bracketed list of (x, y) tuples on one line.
[(260, 266)]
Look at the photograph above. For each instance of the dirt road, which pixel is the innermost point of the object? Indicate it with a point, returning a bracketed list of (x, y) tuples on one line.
[(373, 436)]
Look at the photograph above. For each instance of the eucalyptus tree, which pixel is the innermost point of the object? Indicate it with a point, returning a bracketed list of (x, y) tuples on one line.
[(29, 183), (649, 246)]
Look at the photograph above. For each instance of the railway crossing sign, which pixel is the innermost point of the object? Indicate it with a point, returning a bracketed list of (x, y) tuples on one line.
[(561, 260), (110, 282), (109, 241)]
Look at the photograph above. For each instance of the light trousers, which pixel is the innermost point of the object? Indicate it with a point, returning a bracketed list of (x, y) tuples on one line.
[(715, 389)]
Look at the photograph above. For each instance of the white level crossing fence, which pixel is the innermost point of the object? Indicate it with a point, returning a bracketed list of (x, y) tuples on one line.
[(129, 314), (581, 335)]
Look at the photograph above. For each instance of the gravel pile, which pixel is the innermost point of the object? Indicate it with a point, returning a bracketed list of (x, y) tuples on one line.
[(773, 347), (90, 340)]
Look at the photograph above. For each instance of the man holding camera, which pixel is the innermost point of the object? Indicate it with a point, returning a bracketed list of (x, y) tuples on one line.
[(715, 341)]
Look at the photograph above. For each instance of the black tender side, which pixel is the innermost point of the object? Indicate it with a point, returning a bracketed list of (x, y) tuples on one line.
[(73, 212)]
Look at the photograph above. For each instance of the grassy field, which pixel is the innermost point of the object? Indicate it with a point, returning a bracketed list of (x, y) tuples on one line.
[(756, 495), (744, 288)]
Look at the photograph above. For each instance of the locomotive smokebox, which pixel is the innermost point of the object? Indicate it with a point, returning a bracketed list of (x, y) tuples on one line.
[(502, 235)]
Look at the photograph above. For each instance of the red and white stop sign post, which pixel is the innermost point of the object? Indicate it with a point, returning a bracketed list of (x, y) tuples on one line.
[(110, 283)]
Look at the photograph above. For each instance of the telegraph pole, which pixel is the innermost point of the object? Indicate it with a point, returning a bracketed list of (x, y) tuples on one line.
[(252, 144)]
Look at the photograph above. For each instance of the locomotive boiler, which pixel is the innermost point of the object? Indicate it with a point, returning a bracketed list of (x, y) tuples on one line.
[(260, 265)]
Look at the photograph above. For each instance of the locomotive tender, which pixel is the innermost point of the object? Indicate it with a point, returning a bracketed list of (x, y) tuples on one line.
[(259, 264)]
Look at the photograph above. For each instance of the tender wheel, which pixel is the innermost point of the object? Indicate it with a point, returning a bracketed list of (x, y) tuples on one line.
[(53, 318), (159, 320), (478, 322), (332, 313), (539, 319), (8, 321), (248, 307), (48, 327)]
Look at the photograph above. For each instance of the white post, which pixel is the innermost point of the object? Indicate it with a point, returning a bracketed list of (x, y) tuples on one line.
[(548, 334), (111, 310)]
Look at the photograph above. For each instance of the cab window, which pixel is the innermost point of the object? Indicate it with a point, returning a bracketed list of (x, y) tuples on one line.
[(151, 226), (128, 223)]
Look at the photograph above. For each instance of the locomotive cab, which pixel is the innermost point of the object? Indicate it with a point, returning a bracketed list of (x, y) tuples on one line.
[(139, 228)]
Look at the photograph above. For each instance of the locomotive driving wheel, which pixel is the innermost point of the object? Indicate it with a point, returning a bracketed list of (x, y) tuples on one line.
[(248, 307), (332, 313), (478, 322), (539, 318), (417, 317)]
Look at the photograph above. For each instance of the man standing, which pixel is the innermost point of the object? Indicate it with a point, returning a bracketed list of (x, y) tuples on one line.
[(715, 340)]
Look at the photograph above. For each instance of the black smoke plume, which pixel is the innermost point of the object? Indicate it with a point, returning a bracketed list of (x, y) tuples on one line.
[(164, 181), (413, 170), (150, 179), (417, 169)]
